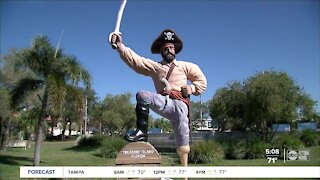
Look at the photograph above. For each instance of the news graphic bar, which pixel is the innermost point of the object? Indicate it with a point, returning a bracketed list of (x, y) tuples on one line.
[(170, 172)]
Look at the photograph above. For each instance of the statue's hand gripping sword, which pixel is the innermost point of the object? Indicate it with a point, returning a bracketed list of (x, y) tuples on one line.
[(112, 39)]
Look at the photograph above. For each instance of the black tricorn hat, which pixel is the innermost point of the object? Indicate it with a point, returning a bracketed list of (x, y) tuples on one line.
[(166, 36)]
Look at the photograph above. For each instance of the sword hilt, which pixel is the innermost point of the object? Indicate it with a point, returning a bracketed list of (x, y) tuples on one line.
[(114, 46), (113, 40)]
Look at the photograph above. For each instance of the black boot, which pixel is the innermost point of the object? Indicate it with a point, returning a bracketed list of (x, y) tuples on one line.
[(141, 133)]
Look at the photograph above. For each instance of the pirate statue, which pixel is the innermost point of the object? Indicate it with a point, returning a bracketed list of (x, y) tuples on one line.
[(171, 72)]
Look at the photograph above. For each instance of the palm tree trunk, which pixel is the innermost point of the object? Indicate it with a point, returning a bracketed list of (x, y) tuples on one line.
[(5, 128), (29, 139), (2, 129), (69, 129), (52, 125), (37, 150), (62, 134)]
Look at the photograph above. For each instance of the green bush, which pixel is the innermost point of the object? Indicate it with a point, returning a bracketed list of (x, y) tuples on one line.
[(318, 133), (309, 137), (91, 141), (206, 152), (288, 142), (238, 149), (256, 148), (111, 146), (228, 146), (245, 148), (235, 149)]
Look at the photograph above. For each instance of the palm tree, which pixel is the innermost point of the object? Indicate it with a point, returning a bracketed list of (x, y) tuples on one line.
[(53, 73), (73, 107), (4, 117)]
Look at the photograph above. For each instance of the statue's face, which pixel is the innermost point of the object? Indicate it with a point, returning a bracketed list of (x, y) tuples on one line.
[(168, 52)]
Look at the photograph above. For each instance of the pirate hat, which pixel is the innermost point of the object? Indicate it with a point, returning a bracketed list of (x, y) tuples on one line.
[(166, 36)]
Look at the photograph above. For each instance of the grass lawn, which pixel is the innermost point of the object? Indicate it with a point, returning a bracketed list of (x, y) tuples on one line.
[(62, 154)]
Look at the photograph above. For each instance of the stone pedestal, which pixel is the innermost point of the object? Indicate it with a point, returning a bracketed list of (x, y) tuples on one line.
[(138, 154)]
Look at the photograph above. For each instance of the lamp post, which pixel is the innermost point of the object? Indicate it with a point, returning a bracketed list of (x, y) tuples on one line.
[(85, 115), (201, 120)]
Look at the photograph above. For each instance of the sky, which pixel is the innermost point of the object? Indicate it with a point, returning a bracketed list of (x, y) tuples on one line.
[(229, 39)]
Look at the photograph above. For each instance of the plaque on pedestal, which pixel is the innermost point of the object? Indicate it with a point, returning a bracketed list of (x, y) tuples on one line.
[(138, 153)]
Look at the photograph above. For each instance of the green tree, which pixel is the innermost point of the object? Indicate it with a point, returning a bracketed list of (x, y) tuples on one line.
[(227, 106), (4, 117), (4, 110), (72, 109), (27, 120), (97, 115), (306, 107), (119, 113), (9, 117), (271, 99), (316, 118), (53, 70), (163, 124), (264, 99)]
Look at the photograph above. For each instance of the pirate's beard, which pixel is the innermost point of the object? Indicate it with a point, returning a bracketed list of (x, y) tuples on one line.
[(168, 57)]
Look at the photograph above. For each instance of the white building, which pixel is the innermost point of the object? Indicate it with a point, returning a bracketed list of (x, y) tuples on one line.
[(203, 125)]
